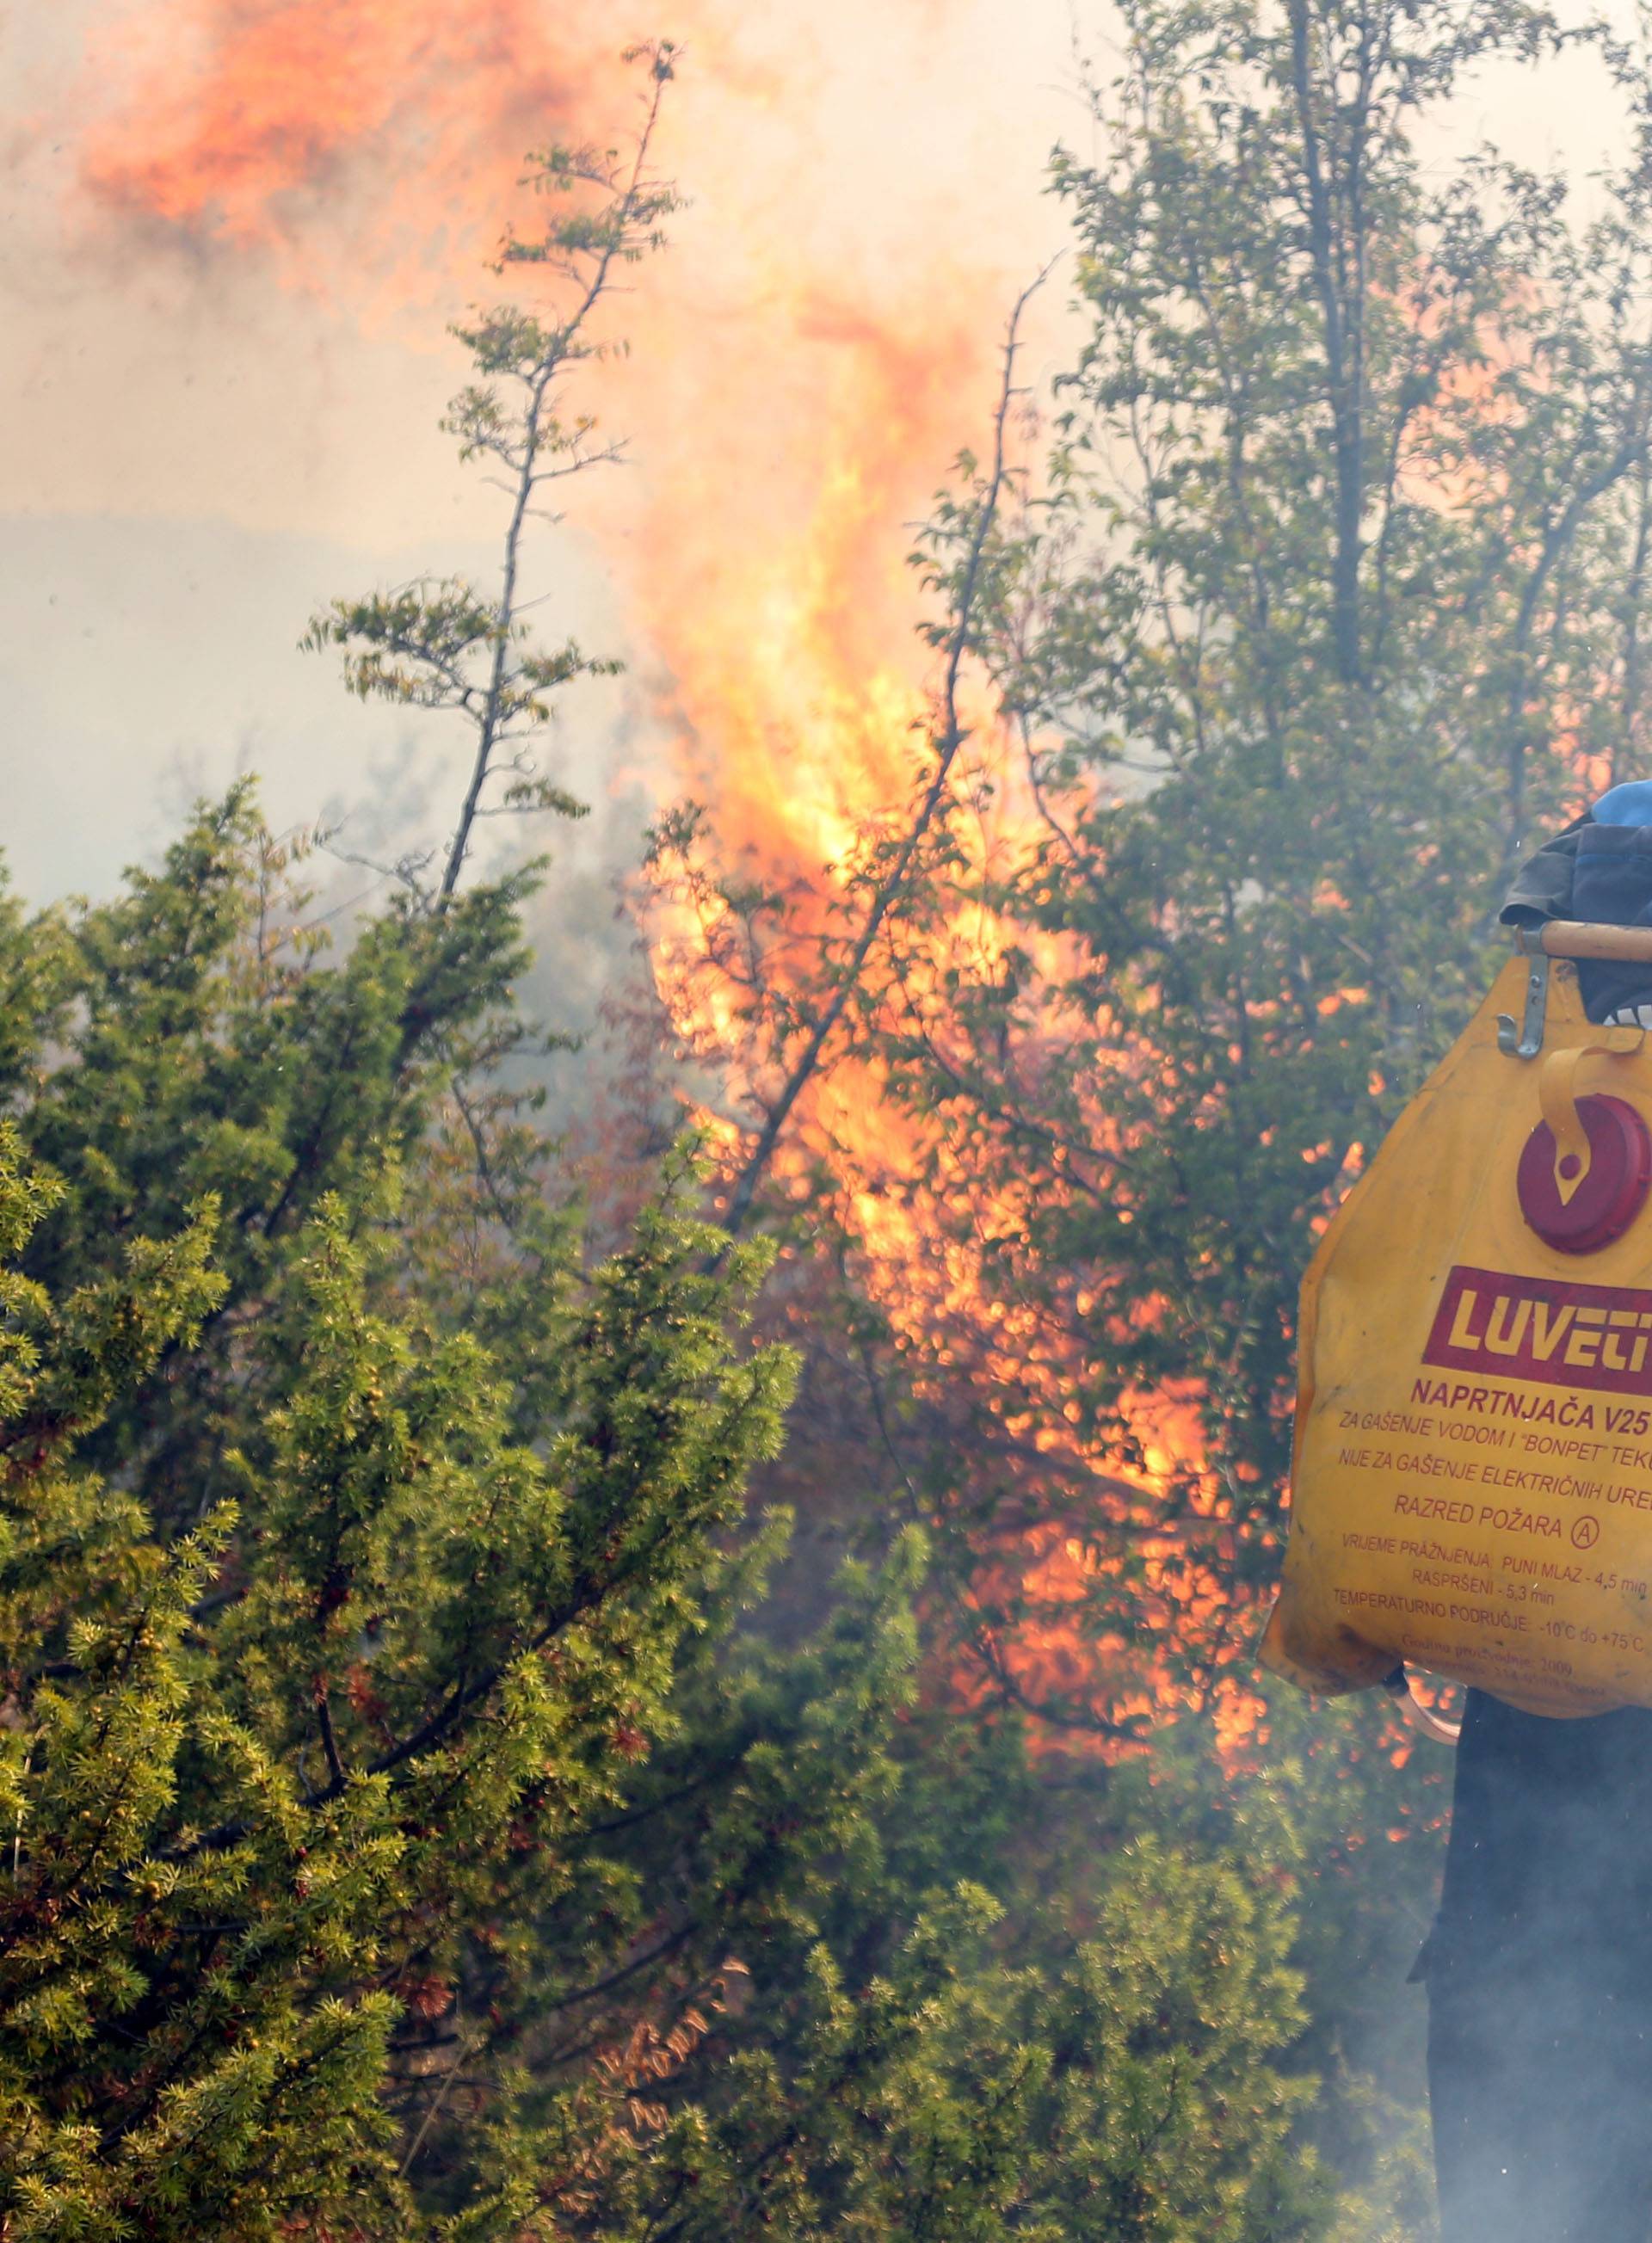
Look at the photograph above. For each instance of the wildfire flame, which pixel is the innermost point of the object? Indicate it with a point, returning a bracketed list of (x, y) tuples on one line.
[(274, 115), (805, 367)]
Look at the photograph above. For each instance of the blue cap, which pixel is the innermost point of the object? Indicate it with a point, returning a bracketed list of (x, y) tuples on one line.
[(1629, 804)]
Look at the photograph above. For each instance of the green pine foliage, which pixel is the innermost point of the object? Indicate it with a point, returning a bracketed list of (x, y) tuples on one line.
[(445, 643), (408, 1824), (265, 1773)]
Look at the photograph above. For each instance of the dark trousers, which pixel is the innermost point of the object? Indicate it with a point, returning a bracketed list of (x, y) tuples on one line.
[(1542, 2091), (1539, 1972)]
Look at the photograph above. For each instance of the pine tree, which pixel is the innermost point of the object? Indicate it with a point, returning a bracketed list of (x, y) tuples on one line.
[(277, 1752), (408, 1829)]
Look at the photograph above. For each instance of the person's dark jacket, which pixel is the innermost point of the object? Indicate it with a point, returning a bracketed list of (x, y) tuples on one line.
[(1602, 873)]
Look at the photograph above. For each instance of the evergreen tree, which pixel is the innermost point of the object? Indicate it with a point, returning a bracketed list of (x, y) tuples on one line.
[(406, 1834), (445, 643), (316, 1676)]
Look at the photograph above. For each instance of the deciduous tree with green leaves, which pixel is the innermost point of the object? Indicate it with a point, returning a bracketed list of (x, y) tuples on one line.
[(1331, 601)]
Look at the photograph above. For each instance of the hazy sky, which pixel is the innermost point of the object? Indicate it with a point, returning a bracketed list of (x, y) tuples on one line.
[(196, 451), (204, 437)]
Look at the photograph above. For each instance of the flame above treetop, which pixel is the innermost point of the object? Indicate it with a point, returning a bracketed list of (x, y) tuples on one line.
[(796, 389)]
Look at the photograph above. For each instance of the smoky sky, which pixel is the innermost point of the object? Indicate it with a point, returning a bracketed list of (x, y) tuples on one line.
[(207, 436)]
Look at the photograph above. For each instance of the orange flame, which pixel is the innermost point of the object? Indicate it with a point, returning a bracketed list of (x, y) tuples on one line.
[(794, 398), (290, 102)]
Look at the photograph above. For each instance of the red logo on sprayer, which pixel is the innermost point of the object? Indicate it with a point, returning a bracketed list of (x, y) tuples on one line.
[(1578, 1210), (1550, 1331)]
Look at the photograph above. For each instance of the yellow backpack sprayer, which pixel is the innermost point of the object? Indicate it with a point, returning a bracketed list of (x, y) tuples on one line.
[(1472, 1489)]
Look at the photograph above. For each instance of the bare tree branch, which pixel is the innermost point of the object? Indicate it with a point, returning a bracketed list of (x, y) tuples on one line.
[(950, 736)]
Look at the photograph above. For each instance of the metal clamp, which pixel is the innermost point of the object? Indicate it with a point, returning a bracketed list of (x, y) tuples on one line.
[(1527, 1041)]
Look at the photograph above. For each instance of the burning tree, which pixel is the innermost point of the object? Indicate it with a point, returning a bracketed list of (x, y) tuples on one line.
[(1334, 589)]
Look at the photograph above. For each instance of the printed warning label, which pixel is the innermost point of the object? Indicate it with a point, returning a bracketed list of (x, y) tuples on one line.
[(1471, 1483)]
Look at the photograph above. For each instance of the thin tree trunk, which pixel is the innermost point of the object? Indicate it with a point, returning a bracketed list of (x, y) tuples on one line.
[(1342, 366), (490, 724)]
